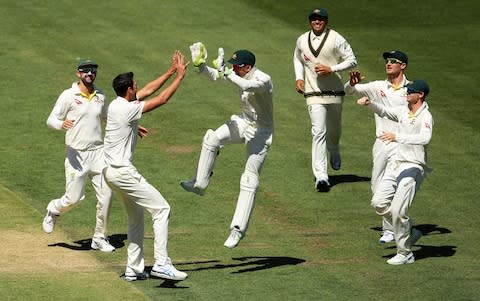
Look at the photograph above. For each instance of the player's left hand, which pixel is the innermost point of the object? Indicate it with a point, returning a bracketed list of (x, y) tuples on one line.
[(219, 64), (323, 69), (364, 101)]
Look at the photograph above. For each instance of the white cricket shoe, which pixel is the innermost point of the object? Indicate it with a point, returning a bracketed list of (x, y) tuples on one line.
[(190, 186), (131, 275), (167, 271), (386, 237), (234, 238), (400, 259), (102, 244), (49, 222)]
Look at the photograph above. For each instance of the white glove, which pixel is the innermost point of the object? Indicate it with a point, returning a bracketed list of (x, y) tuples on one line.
[(250, 132), (199, 54), (219, 64)]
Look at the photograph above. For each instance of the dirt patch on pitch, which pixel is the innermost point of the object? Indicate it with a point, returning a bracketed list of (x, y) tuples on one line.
[(37, 253)]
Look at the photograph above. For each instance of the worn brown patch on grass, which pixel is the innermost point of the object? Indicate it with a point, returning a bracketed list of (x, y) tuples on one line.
[(30, 252)]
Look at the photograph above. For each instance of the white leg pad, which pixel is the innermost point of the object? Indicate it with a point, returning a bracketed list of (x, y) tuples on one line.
[(246, 200), (208, 155)]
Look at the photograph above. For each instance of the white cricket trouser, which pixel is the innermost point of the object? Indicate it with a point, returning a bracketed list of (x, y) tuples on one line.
[(138, 195), (393, 197), (326, 131), (382, 154), (256, 153), (78, 166)]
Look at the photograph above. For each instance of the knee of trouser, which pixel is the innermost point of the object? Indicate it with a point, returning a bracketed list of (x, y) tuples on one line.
[(69, 201), (380, 206), (249, 181), (211, 141), (161, 212), (318, 131)]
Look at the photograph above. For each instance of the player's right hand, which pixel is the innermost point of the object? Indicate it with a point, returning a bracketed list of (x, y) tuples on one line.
[(355, 77), (67, 124), (300, 86)]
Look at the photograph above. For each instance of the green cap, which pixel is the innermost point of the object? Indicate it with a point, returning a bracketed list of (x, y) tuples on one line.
[(396, 54), (86, 63), (318, 12), (242, 57), (418, 85)]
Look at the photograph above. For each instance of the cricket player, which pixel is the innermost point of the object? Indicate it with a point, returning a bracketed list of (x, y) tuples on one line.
[(320, 55), (395, 192), (391, 92), (254, 127), (79, 111), (136, 193)]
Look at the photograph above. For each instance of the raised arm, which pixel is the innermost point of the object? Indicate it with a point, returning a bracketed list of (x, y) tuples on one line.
[(157, 83), (162, 98)]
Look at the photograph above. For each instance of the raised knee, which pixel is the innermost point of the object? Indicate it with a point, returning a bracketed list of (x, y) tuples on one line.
[(249, 181), (211, 141)]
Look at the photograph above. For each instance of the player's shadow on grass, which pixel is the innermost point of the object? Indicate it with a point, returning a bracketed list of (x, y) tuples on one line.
[(426, 229), (426, 251), (339, 179), (429, 251), (116, 240), (246, 264)]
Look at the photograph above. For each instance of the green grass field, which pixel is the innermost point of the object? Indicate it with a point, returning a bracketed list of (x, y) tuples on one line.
[(301, 245)]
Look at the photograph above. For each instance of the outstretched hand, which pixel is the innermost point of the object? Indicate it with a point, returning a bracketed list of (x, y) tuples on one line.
[(180, 64), (355, 77)]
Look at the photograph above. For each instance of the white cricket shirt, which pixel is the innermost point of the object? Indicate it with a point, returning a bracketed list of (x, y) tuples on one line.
[(383, 92), (87, 113), (414, 131), (121, 131)]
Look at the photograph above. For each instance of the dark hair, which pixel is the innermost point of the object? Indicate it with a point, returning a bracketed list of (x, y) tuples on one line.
[(122, 82)]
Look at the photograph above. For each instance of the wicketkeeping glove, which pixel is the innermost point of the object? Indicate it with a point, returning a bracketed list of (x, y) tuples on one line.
[(219, 64), (199, 54)]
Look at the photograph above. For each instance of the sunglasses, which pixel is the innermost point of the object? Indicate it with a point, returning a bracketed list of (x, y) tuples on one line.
[(393, 61), (92, 70)]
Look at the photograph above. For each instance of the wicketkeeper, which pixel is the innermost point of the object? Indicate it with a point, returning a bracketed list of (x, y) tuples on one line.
[(254, 127)]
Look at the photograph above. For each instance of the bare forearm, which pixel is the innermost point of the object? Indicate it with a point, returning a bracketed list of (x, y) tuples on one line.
[(164, 96), (154, 85)]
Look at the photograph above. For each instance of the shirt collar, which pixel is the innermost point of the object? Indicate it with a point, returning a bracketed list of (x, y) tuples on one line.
[(402, 85), (76, 91), (313, 36)]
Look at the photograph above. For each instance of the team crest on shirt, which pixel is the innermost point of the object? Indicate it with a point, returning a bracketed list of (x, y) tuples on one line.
[(382, 93), (78, 102)]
